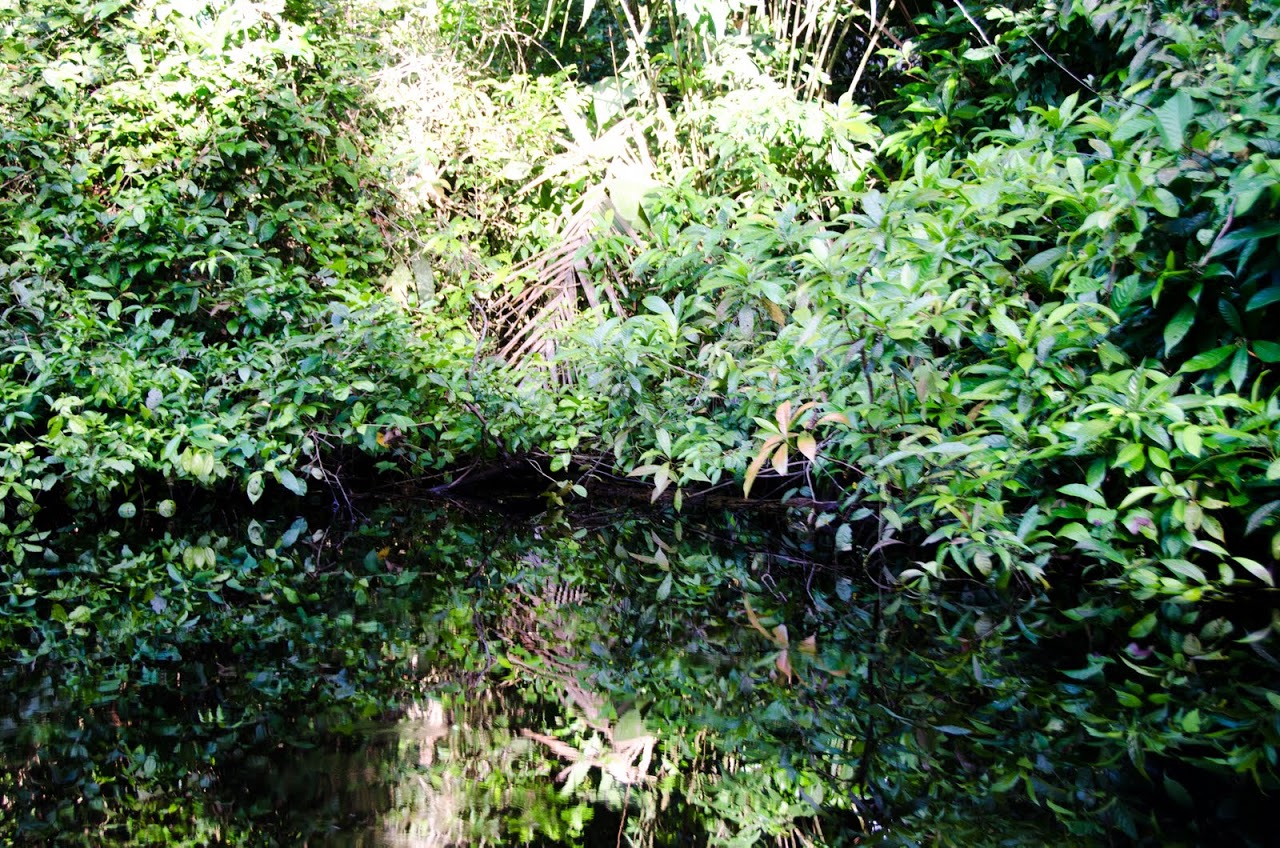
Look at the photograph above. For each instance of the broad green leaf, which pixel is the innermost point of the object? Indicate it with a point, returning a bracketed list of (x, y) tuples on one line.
[(664, 588), (1075, 170), (1240, 368), (1188, 438), (1178, 327), (1230, 316), (953, 730), (291, 482), (1172, 118), (1257, 569), (844, 538), (1165, 202), (1005, 324), (1079, 490), (1144, 626), (1182, 568), (658, 306), (1131, 455), (1263, 299), (1259, 516), (1043, 263), (1268, 352), (1087, 673), (1176, 790), (1208, 359), (254, 487)]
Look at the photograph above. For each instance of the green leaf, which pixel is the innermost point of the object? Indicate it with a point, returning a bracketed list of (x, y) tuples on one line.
[(1090, 671), (1144, 626), (1005, 324), (1173, 117), (1208, 359), (664, 589), (1165, 202), (1259, 516), (1240, 368), (1083, 492), (1257, 569), (292, 483), (1230, 316), (658, 306), (1075, 170), (1178, 793), (1182, 568), (1268, 352), (1263, 299), (254, 487), (844, 538), (1178, 327), (952, 730)]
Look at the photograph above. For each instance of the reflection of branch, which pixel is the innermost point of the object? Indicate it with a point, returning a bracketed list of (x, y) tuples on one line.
[(619, 763), (560, 749)]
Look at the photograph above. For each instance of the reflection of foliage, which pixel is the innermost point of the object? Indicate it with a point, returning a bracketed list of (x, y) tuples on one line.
[(548, 687)]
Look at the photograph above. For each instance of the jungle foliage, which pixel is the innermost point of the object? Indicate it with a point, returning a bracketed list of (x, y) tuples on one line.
[(989, 290)]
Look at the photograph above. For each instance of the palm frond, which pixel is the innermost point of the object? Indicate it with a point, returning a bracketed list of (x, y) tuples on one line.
[(548, 291), (558, 283)]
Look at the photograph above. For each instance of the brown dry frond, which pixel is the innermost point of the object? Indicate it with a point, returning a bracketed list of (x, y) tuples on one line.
[(560, 281)]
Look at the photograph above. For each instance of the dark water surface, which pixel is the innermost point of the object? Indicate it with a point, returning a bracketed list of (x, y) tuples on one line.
[(433, 676)]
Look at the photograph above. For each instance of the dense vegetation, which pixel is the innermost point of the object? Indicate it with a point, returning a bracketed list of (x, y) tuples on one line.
[(987, 293)]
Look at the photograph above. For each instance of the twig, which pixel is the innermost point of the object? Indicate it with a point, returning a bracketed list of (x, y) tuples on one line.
[(974, 24), (1226, 225), (862, 66)]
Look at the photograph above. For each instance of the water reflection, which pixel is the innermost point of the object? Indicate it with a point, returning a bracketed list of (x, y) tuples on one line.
[(425, 678)]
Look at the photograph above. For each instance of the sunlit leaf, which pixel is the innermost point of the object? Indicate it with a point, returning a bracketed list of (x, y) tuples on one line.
[(780, 459), (783, 663), (783, 415)]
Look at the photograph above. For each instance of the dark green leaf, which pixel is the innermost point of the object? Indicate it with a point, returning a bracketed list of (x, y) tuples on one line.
[(1263, 299), (1268, 352), (1178, 327)]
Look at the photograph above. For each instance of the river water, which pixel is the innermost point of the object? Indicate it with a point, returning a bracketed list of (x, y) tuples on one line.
[(426, 674)]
